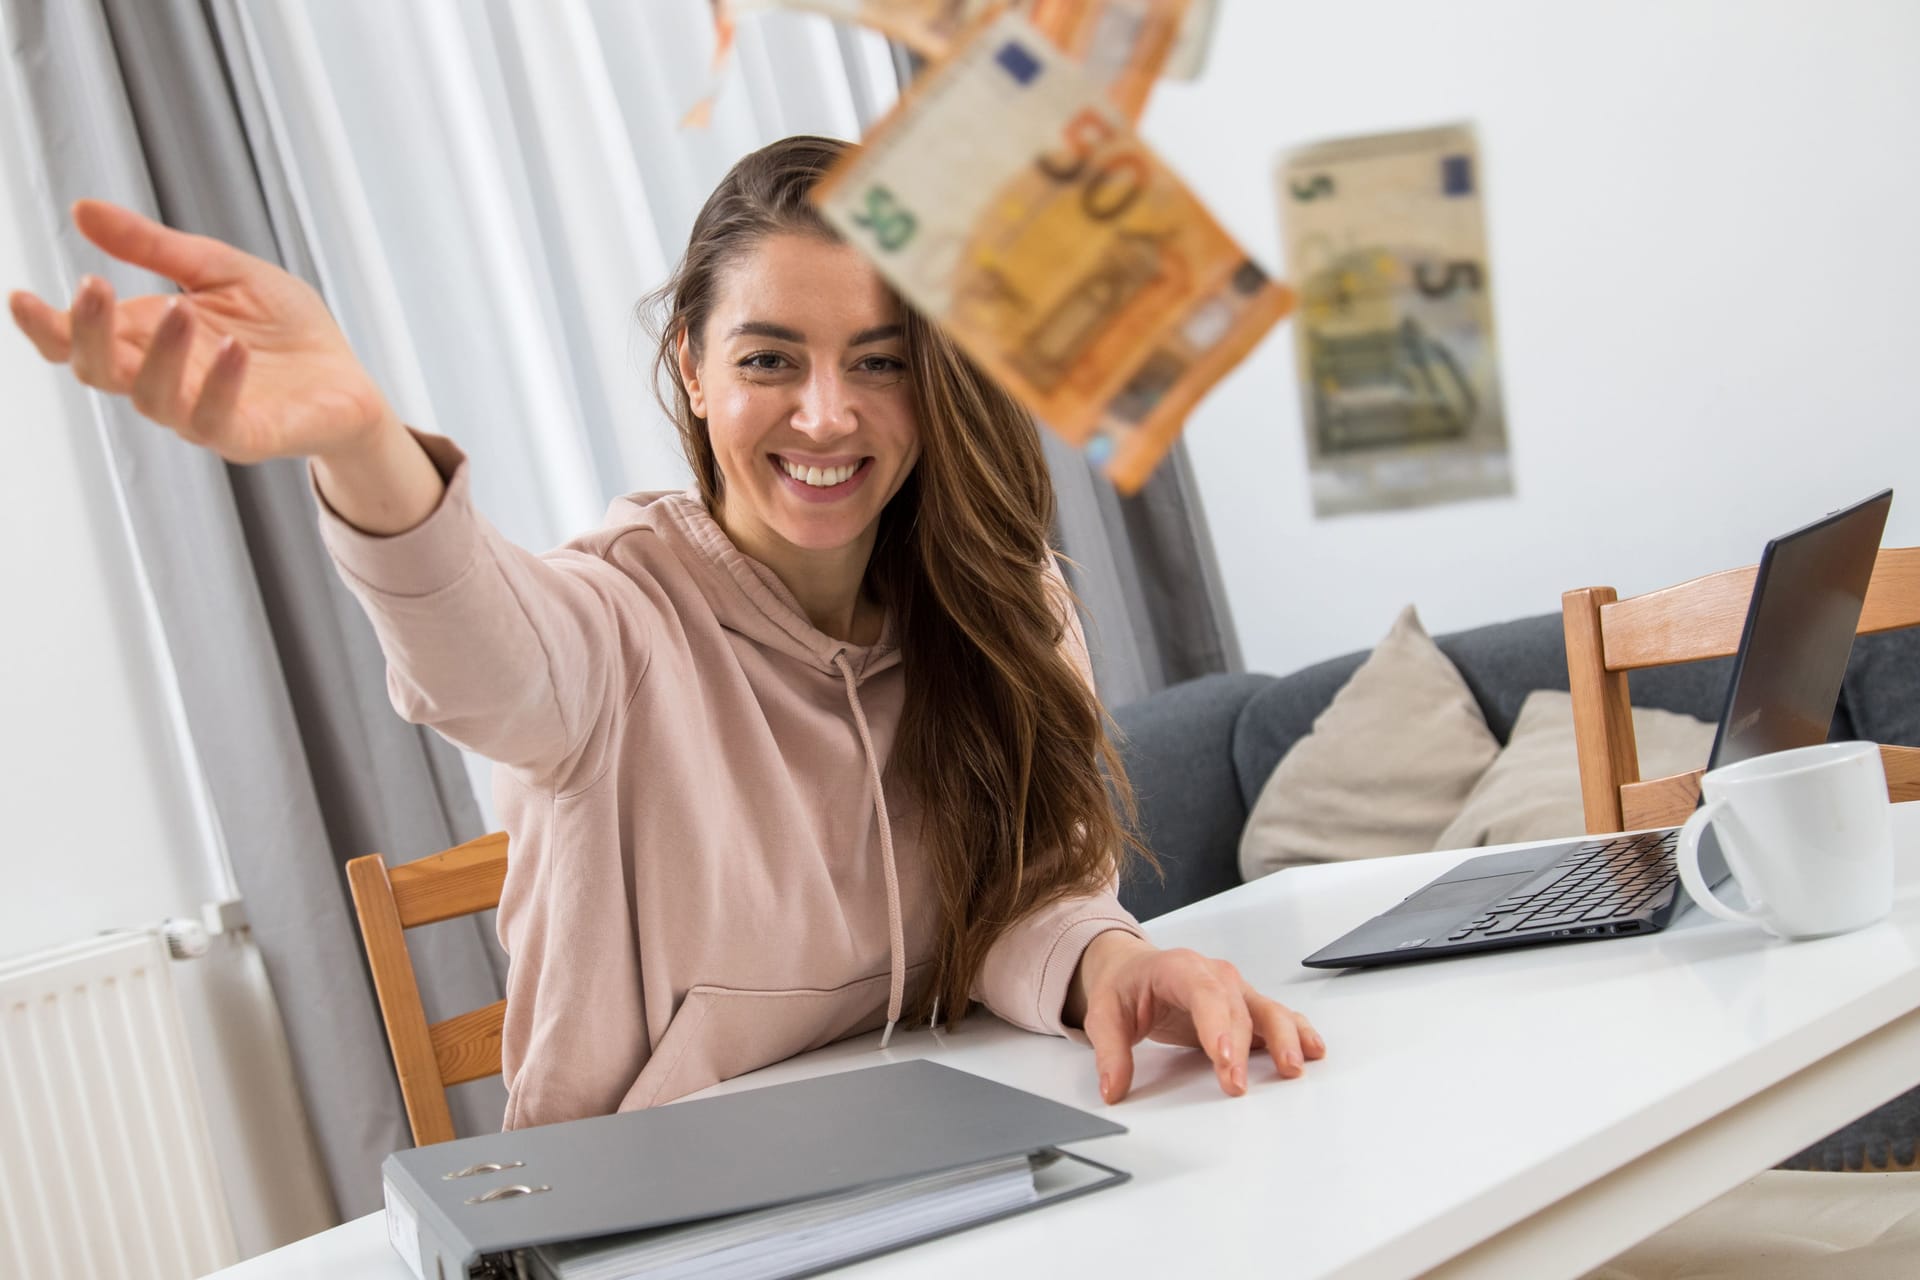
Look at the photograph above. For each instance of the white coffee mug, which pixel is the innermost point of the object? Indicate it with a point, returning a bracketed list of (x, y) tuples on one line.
[(1807, 833)]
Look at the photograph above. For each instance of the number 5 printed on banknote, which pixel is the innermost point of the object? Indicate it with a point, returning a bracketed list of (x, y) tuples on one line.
[(1399, 379), (1008, 200)]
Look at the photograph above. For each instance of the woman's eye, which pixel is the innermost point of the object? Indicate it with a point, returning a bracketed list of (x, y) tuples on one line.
[(766, 361), (883, 365)]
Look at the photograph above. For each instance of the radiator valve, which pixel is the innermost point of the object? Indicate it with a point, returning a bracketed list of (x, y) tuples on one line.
[(186, 939)]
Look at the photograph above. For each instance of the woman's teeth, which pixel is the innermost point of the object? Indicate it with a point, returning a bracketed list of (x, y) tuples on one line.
[(819, 477)]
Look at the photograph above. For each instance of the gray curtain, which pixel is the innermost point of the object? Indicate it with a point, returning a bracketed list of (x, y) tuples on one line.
[(1154, 608), (149, 103)]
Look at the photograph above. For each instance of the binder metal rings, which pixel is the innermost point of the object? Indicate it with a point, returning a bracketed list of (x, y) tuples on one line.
[(489, 1167), (507, 1193)]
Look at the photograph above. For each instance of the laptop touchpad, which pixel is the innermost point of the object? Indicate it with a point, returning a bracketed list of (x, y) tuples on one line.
[(1463, 893)]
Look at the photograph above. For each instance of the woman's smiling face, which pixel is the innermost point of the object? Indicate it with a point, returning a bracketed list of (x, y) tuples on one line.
[(802, 378)]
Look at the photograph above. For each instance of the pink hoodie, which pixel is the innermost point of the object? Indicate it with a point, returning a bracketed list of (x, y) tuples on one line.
[(710, 871)]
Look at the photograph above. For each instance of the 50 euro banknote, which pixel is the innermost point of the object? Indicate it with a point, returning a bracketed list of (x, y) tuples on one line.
[(1007, 199), (1123, 44)]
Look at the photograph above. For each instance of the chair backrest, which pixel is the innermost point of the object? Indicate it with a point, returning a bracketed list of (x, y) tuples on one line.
[(429, 1056), (1608, 637)]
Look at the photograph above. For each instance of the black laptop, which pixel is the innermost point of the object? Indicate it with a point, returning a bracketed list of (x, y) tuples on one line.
[(1786, 684)]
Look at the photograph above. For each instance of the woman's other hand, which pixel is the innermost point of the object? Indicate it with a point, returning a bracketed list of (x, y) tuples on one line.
[(245, 360), (1127, 990)]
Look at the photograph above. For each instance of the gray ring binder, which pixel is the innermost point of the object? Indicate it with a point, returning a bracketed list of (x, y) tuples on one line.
[(713, 1157)]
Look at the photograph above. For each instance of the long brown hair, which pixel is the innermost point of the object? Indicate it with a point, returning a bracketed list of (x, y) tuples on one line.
[(1001, 739)]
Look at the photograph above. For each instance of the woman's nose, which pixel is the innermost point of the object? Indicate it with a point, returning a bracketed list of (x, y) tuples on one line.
[(825, 409)]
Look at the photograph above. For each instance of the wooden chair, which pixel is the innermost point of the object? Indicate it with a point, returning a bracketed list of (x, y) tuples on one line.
[(1607, 637), (429, 1056)]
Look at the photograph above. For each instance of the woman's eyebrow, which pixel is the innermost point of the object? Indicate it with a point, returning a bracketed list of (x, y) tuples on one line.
[(781, 333), (879, 333), (767, 329)]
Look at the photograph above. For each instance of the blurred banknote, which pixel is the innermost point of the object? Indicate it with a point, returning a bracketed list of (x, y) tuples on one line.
[(700, 114), (1008, 199), (1189, 56), (1124, 44), (1386, 242), (928, 27)]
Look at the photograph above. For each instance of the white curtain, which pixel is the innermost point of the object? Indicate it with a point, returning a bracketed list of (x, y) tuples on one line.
[(489, 186)]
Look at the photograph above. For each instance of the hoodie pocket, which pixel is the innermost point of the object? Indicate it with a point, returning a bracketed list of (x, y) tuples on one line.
[(721, 1032)]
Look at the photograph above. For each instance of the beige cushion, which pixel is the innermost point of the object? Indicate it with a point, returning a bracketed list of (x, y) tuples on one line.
[(1532, 792), (1387, 765), (1788, 1225)]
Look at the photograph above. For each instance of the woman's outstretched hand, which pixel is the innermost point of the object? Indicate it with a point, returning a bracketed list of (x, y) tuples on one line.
[(1127, 990), (245, 360)]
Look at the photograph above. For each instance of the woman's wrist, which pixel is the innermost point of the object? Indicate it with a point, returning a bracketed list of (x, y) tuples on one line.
[(382, 484), (1107, 950)]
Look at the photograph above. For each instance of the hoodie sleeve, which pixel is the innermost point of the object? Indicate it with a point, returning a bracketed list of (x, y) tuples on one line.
[(1027, 971), (517, 657)]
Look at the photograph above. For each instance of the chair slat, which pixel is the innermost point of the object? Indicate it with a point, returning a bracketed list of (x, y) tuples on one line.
[(1659, 802), (464, 879), (467, 1046), (1903, 772), (1666, 802), (414, 1059), (1690, 622), (456, 882), (1602, 717), (1703, 618), (1893, 597)]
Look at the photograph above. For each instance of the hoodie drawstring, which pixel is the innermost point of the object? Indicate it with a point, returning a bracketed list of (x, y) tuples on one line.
[(896, 944)]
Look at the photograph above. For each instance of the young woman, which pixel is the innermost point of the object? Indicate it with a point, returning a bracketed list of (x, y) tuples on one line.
[(809, 750)]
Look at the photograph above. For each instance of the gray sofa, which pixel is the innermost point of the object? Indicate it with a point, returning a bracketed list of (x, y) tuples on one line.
[(1198, 754)]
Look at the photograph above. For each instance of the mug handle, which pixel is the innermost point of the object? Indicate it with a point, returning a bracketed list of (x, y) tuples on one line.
[(1687, 855)]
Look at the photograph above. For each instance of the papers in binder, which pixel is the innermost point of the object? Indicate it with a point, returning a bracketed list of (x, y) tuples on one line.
[(794, 1239)]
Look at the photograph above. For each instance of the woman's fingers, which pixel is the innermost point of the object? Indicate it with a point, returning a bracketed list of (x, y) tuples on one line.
[(1113, 1034), (156, 388), (92, 317), (1289, 1038), (1280, 1033), (48, 329), (212, 415), (1310, 1040), (123, 348), (193, 262), (104, 341), (1222, 1025)]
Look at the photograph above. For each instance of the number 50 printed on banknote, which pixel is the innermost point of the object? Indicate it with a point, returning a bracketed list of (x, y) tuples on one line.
[(1009, 200), (1399, 376)]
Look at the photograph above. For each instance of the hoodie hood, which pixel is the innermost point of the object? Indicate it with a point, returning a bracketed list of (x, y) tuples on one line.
[(747, 596)]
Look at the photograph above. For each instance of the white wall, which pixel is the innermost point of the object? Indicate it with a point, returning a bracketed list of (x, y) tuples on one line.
[(1707, 285), (102, 827)]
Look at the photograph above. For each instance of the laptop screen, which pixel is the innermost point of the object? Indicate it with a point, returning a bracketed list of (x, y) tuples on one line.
[(1799, 634)]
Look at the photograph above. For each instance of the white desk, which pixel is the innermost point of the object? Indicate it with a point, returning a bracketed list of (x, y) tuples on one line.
[(1528, 1113)]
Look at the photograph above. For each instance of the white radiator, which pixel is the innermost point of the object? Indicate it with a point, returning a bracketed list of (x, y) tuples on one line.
[(106, 1164)]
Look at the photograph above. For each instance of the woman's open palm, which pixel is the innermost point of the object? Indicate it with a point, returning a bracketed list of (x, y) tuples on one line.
[(245, 360)]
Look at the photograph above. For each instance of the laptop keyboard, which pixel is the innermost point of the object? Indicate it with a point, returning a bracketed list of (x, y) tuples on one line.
[(1592, 891)]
